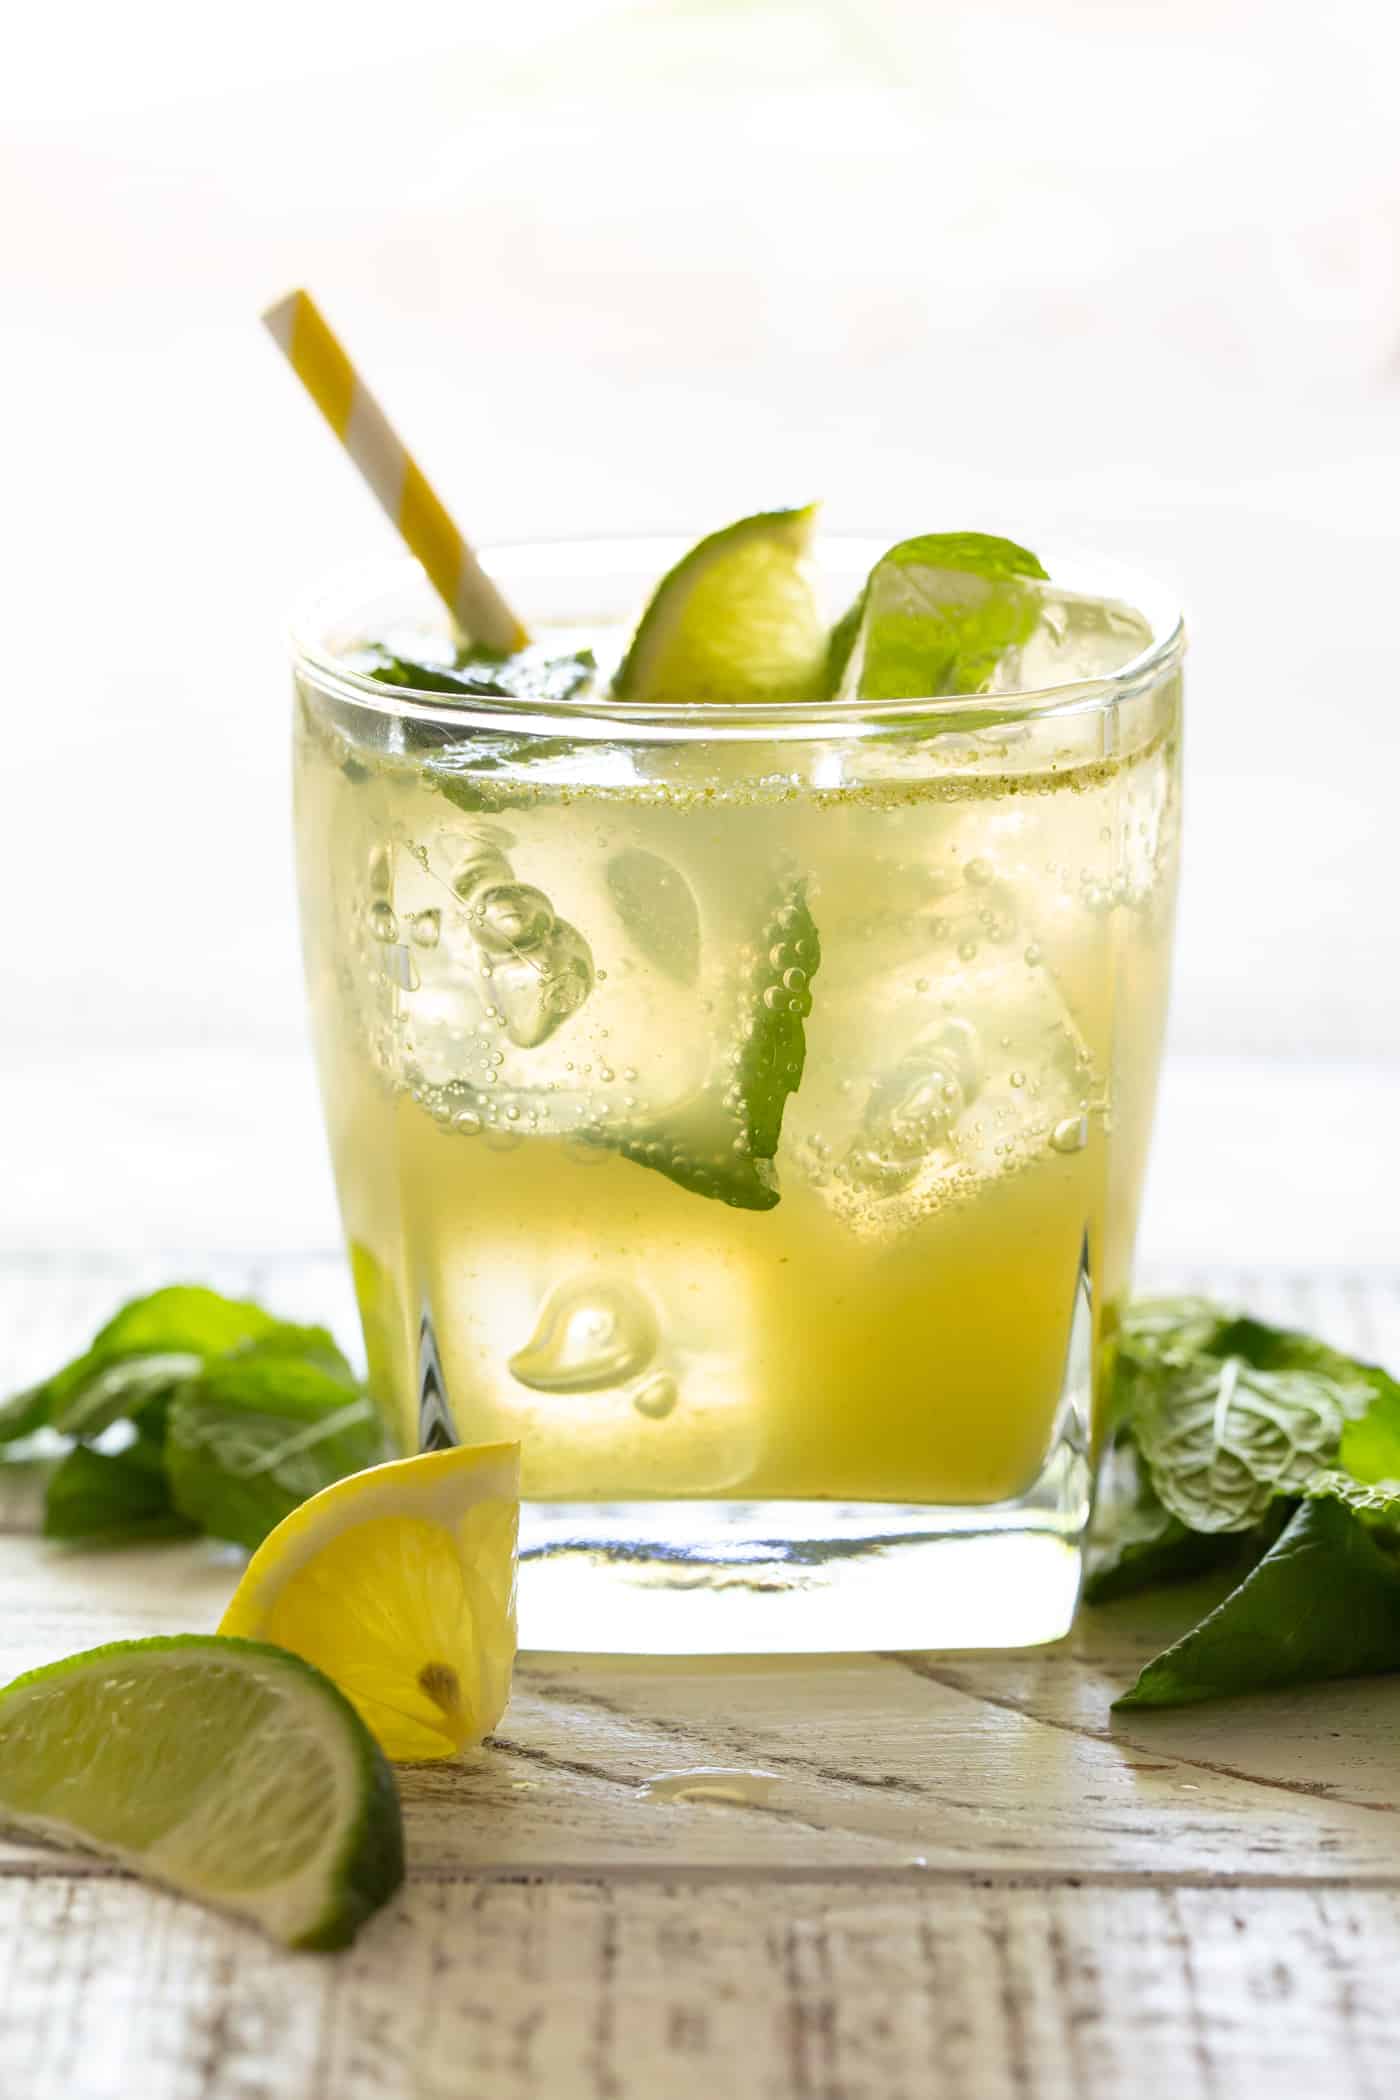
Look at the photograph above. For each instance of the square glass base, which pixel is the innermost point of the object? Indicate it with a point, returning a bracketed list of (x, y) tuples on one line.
[(727, 1578)]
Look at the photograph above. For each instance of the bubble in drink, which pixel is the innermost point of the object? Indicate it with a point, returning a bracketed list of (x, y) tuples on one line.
[(657, 1398)]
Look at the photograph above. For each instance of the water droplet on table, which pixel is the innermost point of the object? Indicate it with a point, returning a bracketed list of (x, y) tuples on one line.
[(730, 1786)]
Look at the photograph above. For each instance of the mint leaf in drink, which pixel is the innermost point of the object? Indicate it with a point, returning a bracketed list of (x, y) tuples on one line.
[(532, 674), (476, 773), (120, 1498), (1324, 1602), (461, 765), (259, 1432), (937, 616), (722, 1143)]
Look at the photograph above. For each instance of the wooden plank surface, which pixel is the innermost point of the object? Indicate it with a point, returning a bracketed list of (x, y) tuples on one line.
[(989, 1765), (960, 1875), (669, 1991)]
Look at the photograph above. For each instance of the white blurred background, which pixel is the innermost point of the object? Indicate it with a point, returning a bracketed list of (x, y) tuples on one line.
[(1115, 273)]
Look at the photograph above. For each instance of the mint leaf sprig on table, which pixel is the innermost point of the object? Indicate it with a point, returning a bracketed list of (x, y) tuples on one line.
[(1267, 1455), (191, 1412)]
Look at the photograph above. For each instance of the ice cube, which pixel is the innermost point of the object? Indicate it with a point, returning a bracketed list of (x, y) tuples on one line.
[(927, 630), (1076, 637), (986, 1072), (538, 988)]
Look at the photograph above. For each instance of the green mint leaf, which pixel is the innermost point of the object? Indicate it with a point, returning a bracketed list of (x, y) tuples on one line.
[(182, 1317), (122, 1391), (1137, 1544), (100, 1498), (1221, 1438), (937, 615), (1375, 1502), (1169, 1330), (1324, 1602), (183, 1320), (23, 1414), (258, 1433), (1371, 1444), (1229, 1412), (722, 1143), (530, 675), (284, 1339), (462, 766), (476, 773)]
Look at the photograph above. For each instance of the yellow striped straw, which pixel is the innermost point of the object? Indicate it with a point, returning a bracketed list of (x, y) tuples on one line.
[(318, 358)]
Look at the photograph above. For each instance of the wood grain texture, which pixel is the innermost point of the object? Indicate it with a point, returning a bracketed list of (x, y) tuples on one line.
[(992, 1765), (581, 1991), (965, 1878)]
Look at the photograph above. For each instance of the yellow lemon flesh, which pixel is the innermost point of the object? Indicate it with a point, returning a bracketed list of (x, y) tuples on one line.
[(399, 1584)]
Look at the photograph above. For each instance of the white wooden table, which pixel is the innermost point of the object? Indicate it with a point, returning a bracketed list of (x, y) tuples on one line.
[(962, 1878)]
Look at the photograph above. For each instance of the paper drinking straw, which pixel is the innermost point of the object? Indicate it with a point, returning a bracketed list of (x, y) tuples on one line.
[(320, 363)]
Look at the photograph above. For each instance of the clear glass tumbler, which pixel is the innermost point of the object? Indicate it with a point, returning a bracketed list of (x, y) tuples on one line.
[(745, 1108)]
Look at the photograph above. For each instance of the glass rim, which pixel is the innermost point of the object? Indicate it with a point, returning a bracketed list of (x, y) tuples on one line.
[(599, 716)]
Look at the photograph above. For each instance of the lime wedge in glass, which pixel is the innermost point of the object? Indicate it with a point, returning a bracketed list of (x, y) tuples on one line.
[(736, 619), (231, 1771)]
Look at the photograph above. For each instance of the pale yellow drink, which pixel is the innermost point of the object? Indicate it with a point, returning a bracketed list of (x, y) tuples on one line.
[(958, 1171)]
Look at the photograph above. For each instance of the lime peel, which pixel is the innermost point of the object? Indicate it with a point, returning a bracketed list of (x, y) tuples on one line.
[(736, 620), (228, 1770)]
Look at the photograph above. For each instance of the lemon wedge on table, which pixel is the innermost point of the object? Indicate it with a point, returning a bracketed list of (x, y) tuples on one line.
[(399, 1584)]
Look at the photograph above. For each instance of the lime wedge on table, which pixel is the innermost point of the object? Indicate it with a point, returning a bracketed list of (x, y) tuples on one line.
[(399, 1583), (227, 1770), (737, 618)]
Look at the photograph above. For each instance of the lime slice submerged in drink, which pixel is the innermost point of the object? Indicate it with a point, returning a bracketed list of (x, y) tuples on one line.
[(229, 1770)]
